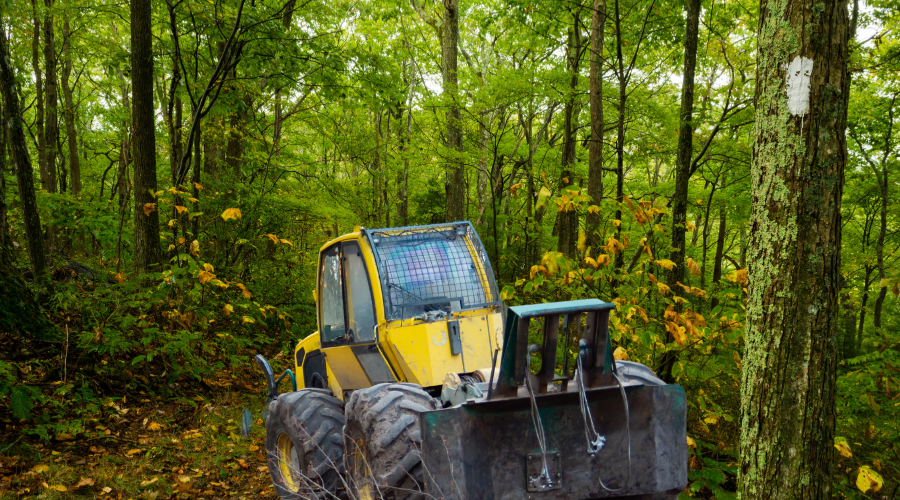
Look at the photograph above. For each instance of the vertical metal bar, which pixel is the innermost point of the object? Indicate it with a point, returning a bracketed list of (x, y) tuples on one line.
[(601, 334), (548, 354), (521, 349)]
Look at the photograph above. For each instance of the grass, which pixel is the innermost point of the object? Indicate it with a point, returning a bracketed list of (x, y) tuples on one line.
[(144, 447)]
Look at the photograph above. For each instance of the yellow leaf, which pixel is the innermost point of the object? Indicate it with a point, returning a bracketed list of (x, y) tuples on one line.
[(691, 443), (739, 276), (133, 451), (193, 200), (286, 242), (844, 449), (868, 479), (172, 222), (154, 426), (693, 267), (877, 464), (228, 309), (248, 319), (244, 290), (543, 197), (181, 209), (273, 238), (666, 263), (616, 222), (171, 247), (149, 208), (198, 186), (884, 283), (689, 226), (40, 468), (620, 354), (64, 437), (195, 247), (514, 188), (205, 277), (663, 288), (253, 447), (711, 420), (582, 240), (58, 487), (144, 484), (231, 213), (120, 276), (208, 267)]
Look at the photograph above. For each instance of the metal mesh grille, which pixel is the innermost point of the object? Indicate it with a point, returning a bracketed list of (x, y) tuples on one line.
[(432, 268)]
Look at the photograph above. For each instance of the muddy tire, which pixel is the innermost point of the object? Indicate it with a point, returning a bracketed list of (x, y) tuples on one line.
[(304, 444), (382, 439)]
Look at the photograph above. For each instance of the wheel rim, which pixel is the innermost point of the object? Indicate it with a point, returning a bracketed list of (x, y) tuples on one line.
[(288, 462), (360, 472)]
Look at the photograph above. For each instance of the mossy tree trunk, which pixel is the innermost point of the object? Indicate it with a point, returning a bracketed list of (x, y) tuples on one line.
[(797, 177)]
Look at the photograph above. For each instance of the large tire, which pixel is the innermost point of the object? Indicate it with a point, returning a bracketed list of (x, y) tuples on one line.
[(382, 438), (304, 444)]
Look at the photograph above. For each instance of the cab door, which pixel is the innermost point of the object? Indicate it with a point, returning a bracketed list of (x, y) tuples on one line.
[(348, 322)]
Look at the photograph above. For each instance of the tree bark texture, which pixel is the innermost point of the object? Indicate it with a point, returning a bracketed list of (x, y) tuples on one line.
[(51, 124), (456, 174), (568, 216), (595, 147), (146, 222), (69, 113), (21, 163), (797, 178)]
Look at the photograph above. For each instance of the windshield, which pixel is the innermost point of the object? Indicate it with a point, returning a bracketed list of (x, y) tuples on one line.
[(431, 269)]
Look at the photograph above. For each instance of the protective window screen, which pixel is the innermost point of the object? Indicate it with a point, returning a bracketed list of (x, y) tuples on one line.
[(360, 308), (429, 269), (331, 294)]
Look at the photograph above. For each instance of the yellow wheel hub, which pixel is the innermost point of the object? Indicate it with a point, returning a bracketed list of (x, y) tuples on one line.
[(288, 462)]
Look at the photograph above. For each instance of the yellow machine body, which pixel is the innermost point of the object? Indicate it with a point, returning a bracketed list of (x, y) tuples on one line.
[(421, 349)]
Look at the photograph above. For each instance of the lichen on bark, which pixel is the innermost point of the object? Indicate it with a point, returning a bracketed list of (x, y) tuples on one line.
[(787, 395)]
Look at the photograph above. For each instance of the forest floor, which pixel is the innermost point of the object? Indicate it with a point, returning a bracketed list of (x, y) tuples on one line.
[(146, 447)]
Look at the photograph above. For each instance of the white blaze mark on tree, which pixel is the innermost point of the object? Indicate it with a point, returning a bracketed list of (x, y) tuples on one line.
[(797, 86)]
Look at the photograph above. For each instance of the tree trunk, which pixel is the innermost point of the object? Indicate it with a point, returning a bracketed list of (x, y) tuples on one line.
[(568, 216), (51, 128), (39, 98), (22, 164), (720, 252), (595, 148), (456, 175), (19, 312), (682, 173), (797, 178), (69, 113), (882, 231), (684, 151), (619, 260), (862, 307), (146, 213)]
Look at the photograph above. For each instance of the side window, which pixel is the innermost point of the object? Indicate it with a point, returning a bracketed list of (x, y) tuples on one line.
[(360, 307), (331, 295)]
